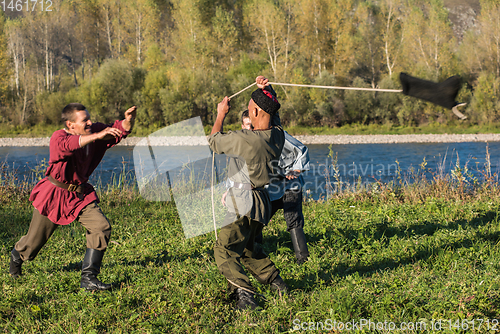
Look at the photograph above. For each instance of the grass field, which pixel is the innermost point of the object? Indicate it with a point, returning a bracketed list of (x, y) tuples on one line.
[(400, 253)]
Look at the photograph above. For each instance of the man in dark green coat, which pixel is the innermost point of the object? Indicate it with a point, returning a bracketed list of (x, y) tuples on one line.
[(254, 153)]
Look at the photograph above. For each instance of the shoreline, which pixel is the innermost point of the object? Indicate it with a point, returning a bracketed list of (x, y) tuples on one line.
[(306, 139)]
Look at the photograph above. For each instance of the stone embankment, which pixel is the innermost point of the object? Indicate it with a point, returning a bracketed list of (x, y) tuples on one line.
[(316, 139)]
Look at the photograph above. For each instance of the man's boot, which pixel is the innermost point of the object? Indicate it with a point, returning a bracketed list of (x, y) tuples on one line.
[(299, 244), (15, 264), (91, 267), (279, 285), (245, 300)]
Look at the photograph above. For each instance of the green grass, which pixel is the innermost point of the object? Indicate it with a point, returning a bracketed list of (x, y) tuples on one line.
[(403, 253)]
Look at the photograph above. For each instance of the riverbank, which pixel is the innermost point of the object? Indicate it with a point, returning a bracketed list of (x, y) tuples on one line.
[(306, 139)]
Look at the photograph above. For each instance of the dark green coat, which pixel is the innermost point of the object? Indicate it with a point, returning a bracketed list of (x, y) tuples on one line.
[(254, 153)]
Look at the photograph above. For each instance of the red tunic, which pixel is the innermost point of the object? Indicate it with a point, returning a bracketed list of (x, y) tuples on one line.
[(70, 163)]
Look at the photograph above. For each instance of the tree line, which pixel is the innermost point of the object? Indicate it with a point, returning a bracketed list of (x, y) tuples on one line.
[(176, 59)]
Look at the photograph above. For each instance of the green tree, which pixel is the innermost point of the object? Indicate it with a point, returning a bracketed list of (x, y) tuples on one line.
[(296, 106), (5, 61), (311, 25), (150, 113), (225, 37), (485, 104), (390, 15), (112, 89), (193, 93), (369, 44), (385, 110), (342, 29), (190, 36), (480, 51), (428, 42), (269, 26), (140, 20)]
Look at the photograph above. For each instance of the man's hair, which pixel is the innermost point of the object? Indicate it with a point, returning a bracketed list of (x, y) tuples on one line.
[(68, 113), (244, 115)]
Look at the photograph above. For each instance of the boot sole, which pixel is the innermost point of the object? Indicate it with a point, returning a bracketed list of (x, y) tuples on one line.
[(95, 288)]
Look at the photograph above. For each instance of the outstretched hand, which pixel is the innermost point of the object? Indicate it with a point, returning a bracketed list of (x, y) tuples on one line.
[(131, 113), (128, 122), (108, 133)]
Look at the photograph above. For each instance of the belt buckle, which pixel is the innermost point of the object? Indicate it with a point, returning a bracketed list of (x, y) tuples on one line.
[(72, 187)]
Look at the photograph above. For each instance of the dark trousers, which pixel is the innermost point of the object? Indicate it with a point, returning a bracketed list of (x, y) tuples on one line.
[(235, 247), (291, 203), (41, 228)]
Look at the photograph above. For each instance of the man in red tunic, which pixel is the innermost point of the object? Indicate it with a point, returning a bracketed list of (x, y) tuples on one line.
[(64, 194)]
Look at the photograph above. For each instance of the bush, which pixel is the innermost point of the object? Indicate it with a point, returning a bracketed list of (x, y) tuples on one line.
[(296, 109), (387, 102), (49, 107), (150, 111), (328, 109), (192, 93), (359, 104), (485, 104)]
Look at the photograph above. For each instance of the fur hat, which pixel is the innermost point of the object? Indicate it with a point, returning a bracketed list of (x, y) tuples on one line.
[(266, 101)]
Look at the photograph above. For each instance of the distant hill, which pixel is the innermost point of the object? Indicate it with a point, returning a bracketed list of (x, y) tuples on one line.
[(463, 14)]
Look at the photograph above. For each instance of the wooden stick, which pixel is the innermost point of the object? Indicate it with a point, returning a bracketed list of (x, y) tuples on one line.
[(241, 91)]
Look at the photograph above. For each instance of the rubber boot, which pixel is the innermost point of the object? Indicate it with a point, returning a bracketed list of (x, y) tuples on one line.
[(91, 267), (279, 285), (299, 244), (245, 300), (16, 262)]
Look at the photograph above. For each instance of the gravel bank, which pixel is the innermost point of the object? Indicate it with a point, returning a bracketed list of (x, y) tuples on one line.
[(317, 139)]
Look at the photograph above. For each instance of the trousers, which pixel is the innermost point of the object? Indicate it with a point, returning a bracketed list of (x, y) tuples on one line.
[(235, 247), (41, 228), (291, 203)]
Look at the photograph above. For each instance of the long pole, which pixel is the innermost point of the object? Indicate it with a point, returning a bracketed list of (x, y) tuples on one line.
[(325, 87), (337, 87)]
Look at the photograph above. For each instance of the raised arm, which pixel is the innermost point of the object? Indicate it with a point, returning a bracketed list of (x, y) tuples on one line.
[(222, 110), (106, 134), (128, 122), (111, 132)]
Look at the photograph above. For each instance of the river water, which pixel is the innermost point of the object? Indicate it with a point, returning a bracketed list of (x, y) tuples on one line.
[(332, 168)]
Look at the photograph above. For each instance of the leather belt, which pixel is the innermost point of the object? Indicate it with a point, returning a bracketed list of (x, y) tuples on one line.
[(245, 186), (69, 187)]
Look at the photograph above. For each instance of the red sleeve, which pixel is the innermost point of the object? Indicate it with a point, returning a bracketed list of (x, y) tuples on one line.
[(97, 127), (62, 145), (118, 125)]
